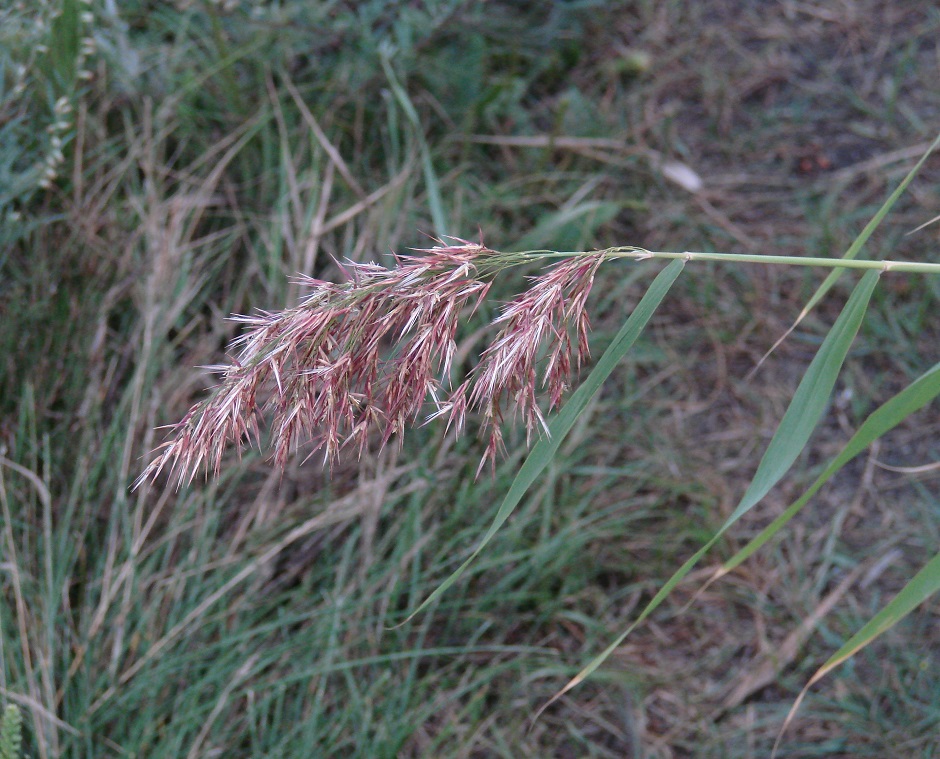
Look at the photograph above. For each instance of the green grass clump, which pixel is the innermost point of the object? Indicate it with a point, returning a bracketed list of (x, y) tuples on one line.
[(165, 165)]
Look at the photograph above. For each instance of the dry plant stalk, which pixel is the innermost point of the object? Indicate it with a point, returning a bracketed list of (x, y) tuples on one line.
[(368, 354)]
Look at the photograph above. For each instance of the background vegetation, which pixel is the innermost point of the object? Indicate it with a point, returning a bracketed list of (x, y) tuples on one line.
[(165, 164)]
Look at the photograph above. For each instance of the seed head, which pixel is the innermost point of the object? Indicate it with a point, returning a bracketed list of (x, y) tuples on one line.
[(363, 357)]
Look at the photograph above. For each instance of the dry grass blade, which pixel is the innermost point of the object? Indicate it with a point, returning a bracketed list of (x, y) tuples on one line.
[(336, 157)]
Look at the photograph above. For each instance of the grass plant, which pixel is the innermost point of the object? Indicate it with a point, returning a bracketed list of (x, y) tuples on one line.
[(163, 166)]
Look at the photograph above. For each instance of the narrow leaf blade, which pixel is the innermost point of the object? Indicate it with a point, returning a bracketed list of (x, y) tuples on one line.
[(918, 589), (544, 450)]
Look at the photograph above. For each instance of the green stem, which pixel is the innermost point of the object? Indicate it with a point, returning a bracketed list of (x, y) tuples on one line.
[(639, 254)]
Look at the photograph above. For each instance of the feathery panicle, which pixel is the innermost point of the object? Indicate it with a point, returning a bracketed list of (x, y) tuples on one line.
[(366, 355)]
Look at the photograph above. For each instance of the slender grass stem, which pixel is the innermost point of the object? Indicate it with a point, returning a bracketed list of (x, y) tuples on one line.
[(639, 254)]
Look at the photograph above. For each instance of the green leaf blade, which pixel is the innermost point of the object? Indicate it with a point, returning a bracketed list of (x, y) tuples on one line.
[(917, 590), (809, 401), (544, 450)]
